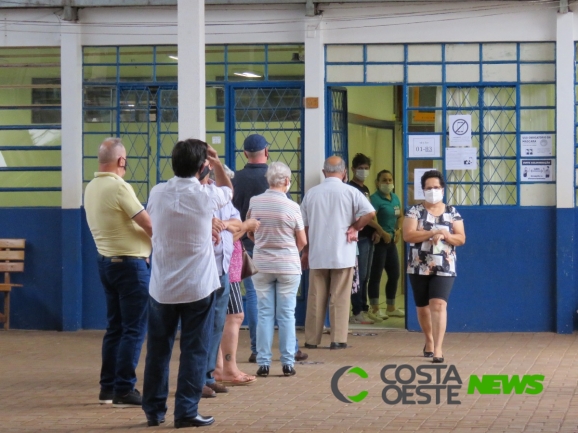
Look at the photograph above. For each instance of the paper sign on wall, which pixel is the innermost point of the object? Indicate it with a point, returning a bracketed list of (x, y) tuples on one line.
[(461, 158), (460, 130), (536, 145), (424, 146), (537, 170), (215, 139), (417, 191)]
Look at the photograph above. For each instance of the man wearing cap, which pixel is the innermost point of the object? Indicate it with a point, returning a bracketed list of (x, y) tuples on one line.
[(122, 231), (249, 182)]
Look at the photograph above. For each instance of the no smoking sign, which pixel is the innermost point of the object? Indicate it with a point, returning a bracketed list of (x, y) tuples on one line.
[(460, 130)]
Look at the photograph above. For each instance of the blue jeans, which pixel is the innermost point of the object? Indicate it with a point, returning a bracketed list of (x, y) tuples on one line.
[(221, 302), (126, 286), (359, 299), (276, 298), (251, 309), (196, 331)]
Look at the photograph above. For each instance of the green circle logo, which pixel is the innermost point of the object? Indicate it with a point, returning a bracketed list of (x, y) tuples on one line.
[(335, 380)]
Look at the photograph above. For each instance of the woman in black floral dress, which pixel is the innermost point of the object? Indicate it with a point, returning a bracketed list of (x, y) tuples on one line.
[(433, 230)]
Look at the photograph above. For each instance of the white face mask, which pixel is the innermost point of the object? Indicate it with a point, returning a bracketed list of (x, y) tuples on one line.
[(362, 174), (434, 196), (288, 187), (386, 188)]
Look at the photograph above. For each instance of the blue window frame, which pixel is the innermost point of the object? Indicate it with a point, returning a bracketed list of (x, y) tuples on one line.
[(508, 88)]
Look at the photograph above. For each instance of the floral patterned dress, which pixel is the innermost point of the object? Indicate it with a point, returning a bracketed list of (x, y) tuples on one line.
[(425, 258)]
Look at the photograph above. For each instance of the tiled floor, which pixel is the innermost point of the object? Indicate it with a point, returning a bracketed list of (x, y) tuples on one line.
[(49, 382)]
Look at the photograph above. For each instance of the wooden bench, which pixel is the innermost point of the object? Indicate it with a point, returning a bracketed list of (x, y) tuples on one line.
[(11, 260)]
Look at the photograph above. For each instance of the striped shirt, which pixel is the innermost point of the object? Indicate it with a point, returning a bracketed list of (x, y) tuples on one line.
[(275, 248)]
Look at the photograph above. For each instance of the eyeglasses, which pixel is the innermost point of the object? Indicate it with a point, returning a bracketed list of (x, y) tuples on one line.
[(435, 188), (125, 162)]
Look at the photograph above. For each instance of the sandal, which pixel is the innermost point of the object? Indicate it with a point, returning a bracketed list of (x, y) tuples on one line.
[(245, 380)]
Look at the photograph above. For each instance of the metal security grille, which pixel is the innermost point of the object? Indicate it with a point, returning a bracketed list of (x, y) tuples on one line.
[(337, 139), (507, 88), (493, 111), (277, 114)]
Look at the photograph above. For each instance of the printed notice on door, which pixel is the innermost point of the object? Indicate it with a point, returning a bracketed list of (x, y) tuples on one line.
[(536, 145), (460, 130), (461, 158), (417, 191), (537, 170), (424, 146)]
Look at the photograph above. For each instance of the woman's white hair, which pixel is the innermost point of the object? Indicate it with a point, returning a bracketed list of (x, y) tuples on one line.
[(277, 173)]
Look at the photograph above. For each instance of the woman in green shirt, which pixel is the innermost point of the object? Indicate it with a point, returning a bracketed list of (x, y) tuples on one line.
[(389, 217)]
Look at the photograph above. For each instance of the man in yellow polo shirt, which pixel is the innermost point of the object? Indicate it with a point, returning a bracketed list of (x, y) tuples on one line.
[(122, 231)]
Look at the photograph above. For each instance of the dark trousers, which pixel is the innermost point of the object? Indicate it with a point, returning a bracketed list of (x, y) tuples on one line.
[(384, 257), (126, 288), (221, 302), (196, 331), (359, 299)]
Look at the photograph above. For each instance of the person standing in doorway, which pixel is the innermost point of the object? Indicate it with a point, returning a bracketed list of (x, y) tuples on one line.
[(333, 213), (389, 217), (250, 182), (360, 309), (122, 231)]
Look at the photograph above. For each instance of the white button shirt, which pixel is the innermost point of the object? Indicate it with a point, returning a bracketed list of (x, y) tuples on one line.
[(328, 210), (183, 262)]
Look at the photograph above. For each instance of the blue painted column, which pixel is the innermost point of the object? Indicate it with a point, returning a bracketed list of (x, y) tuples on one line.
[(566, 302), (71, 76)]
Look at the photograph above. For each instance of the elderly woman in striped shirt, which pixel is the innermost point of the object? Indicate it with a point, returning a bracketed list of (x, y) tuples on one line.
[(278, 241)]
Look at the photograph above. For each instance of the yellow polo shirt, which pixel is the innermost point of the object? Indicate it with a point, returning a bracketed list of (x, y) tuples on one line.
[(110, 205)]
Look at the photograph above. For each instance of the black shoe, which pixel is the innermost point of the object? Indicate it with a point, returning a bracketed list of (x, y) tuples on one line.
[(105, 397), (310, 346), (132, 399), (427, 354), (198, 421), (253, 358), (263, 371), (301, 356), (335, 346), (437, 360), (288, 370), (155, 422)]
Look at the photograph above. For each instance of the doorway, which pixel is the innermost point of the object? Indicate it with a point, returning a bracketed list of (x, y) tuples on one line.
[(368, 120)]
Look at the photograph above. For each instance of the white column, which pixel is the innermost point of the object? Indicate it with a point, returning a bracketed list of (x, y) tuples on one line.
[(191, 78), (71, 94), (565, 111), (314, 150)]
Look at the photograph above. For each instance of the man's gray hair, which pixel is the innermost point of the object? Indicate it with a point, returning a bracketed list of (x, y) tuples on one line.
[(338, 168), (230, 173), (277, 173), (109, 150)]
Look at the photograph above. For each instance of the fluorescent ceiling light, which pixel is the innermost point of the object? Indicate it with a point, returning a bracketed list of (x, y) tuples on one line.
[(247, 74), (174, 57)]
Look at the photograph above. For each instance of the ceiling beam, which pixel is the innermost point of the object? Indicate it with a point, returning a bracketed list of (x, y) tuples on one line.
[(128, 3)]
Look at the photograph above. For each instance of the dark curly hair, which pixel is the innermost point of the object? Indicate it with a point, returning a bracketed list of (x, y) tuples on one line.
[(431, 174), (360, 159)]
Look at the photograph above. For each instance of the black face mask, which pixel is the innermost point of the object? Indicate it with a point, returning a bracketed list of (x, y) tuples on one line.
[(204, 173)]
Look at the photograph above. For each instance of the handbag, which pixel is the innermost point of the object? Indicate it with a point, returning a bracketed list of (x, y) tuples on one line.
[(248, 269)]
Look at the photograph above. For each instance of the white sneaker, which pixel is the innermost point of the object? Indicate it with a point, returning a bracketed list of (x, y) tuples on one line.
[(379, 314), (360, 319), (396, 313), (374, 317)]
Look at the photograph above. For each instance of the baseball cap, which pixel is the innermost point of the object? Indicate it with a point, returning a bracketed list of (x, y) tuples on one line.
[(255, 143)]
